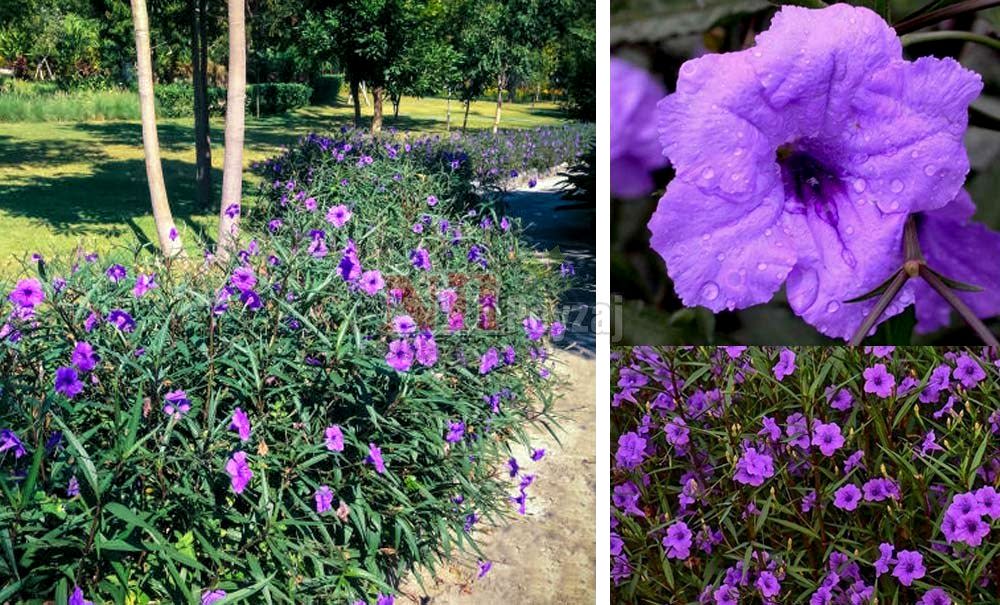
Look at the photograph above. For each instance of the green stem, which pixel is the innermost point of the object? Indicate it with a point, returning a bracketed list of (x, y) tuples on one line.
[(883, 303), (921, 37), (911, 24)]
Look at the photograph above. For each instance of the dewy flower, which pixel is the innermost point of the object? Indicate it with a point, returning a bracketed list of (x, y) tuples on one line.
[(241, 423), (879, 381), (635, 151), (909, 567), (239, 472), (799, 160), (27, 293), (677, 542), (827, 437)]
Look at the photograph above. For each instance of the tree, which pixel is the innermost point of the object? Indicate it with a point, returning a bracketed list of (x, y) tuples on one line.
[(170, 243), (232, 169), (199, 80)]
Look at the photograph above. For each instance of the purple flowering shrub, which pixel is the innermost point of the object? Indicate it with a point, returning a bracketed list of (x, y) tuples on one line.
[(309, 422), (811, 475)]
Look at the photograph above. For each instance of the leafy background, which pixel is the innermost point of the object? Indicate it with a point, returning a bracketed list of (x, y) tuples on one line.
[(660, 35)]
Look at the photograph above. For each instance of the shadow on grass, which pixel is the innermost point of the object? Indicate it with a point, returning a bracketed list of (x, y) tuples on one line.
[(17, 152), (105, 202)]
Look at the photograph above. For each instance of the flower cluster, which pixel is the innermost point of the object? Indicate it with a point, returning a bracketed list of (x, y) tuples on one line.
[(762, 475), (312, 408)]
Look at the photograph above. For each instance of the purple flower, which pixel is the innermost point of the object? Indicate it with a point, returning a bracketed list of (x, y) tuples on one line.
[(768, 584), (635, 150), (143, 284), (233, 210), (853, 461), (83, 357), (447, 300), (241, 423), (847, 497), (384, 599), (971, 529), (375, 458), (968, 371), (338, 215), (534, 328), (885, 559), (489, 361), (785, 365), (420, 259), (212, 596), (631, 450), (73, 487), (243, 278), (121, 320), (426, 349), (839, 399), (879, 489), (753, 468), (677, 432), (909, 567), (677, 541), (76, 598), (334, 438), (239, 471), (432, 200), (116, 273), (324, 499), (963, 250), (556, 330), (456, 431), (513, 466), (935, 596), (27, 293), (827, 437), (879, 381), (371, 282), (929, 444), (989, 501), (626, 498), (177, 402), (9, 441), (538, 454), (400, 355), (67, 383), (484, 568), (795, 166), (403, 325)]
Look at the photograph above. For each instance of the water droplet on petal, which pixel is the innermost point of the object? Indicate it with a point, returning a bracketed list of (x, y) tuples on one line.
[(896, 186), (833, 307), (859, 185), (738, 152), (894, 205), (768, 232), (761, 266), (720, 257), (706, 236), (849, 231), (710, 290), (929, 169), (848, 257), (707, 173), (756, 53), (914, 154)]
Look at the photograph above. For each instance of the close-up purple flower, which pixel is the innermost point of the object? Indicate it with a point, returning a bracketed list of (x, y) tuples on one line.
[(241, 423), (334, 438), (67, 382), (176, 403), (239, 472), (677, 541), (631, 450), (909, 567), (753, 467), (799, 160), (879, 381), (212, 596), (847, 497), (338, 215), (400, 355), (84, 358), (324, 499), (27, 293), (10, 442), (786, 364), (375, 458), (827, 437)]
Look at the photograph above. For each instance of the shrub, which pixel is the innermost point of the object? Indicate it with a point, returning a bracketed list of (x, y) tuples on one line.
[(275, 98), (306, 423), (814, 475), (326, 89), (177, 100), (44, 102)]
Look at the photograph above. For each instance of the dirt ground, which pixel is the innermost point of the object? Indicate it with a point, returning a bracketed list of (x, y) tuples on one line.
[(547, 556)]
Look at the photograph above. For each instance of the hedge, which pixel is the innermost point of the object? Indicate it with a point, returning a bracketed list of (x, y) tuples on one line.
[(177, 100)]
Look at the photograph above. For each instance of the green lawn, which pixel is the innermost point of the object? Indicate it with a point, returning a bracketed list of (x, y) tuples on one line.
[(64, 185)]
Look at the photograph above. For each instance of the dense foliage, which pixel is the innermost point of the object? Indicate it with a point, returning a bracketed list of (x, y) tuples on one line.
[(305, 424), (174, 100), (813, 475)]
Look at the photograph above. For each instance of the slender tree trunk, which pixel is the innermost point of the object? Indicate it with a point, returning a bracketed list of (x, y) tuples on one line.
[(395, 108), (364, 94), (170, 243), (496, 115), (377, 93), (538, 91), (357, 103), (465, 120), (232, 174), (447, 115), (199, 77)]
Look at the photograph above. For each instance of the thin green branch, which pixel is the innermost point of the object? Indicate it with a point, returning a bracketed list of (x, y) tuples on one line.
[(883, 303), (911, 24), (921, 37), (959, 305)]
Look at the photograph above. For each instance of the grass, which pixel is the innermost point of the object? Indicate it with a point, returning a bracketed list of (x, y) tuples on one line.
[(60, 106), (65, 185)]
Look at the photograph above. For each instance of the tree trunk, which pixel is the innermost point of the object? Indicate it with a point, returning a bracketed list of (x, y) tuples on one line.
[(395, 108), (232, 173), (170, 243), (357, 103), (496, 115), (538, 91), (199, 77), (364, 94), (377, 93), (465, 120), (447, 115)]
